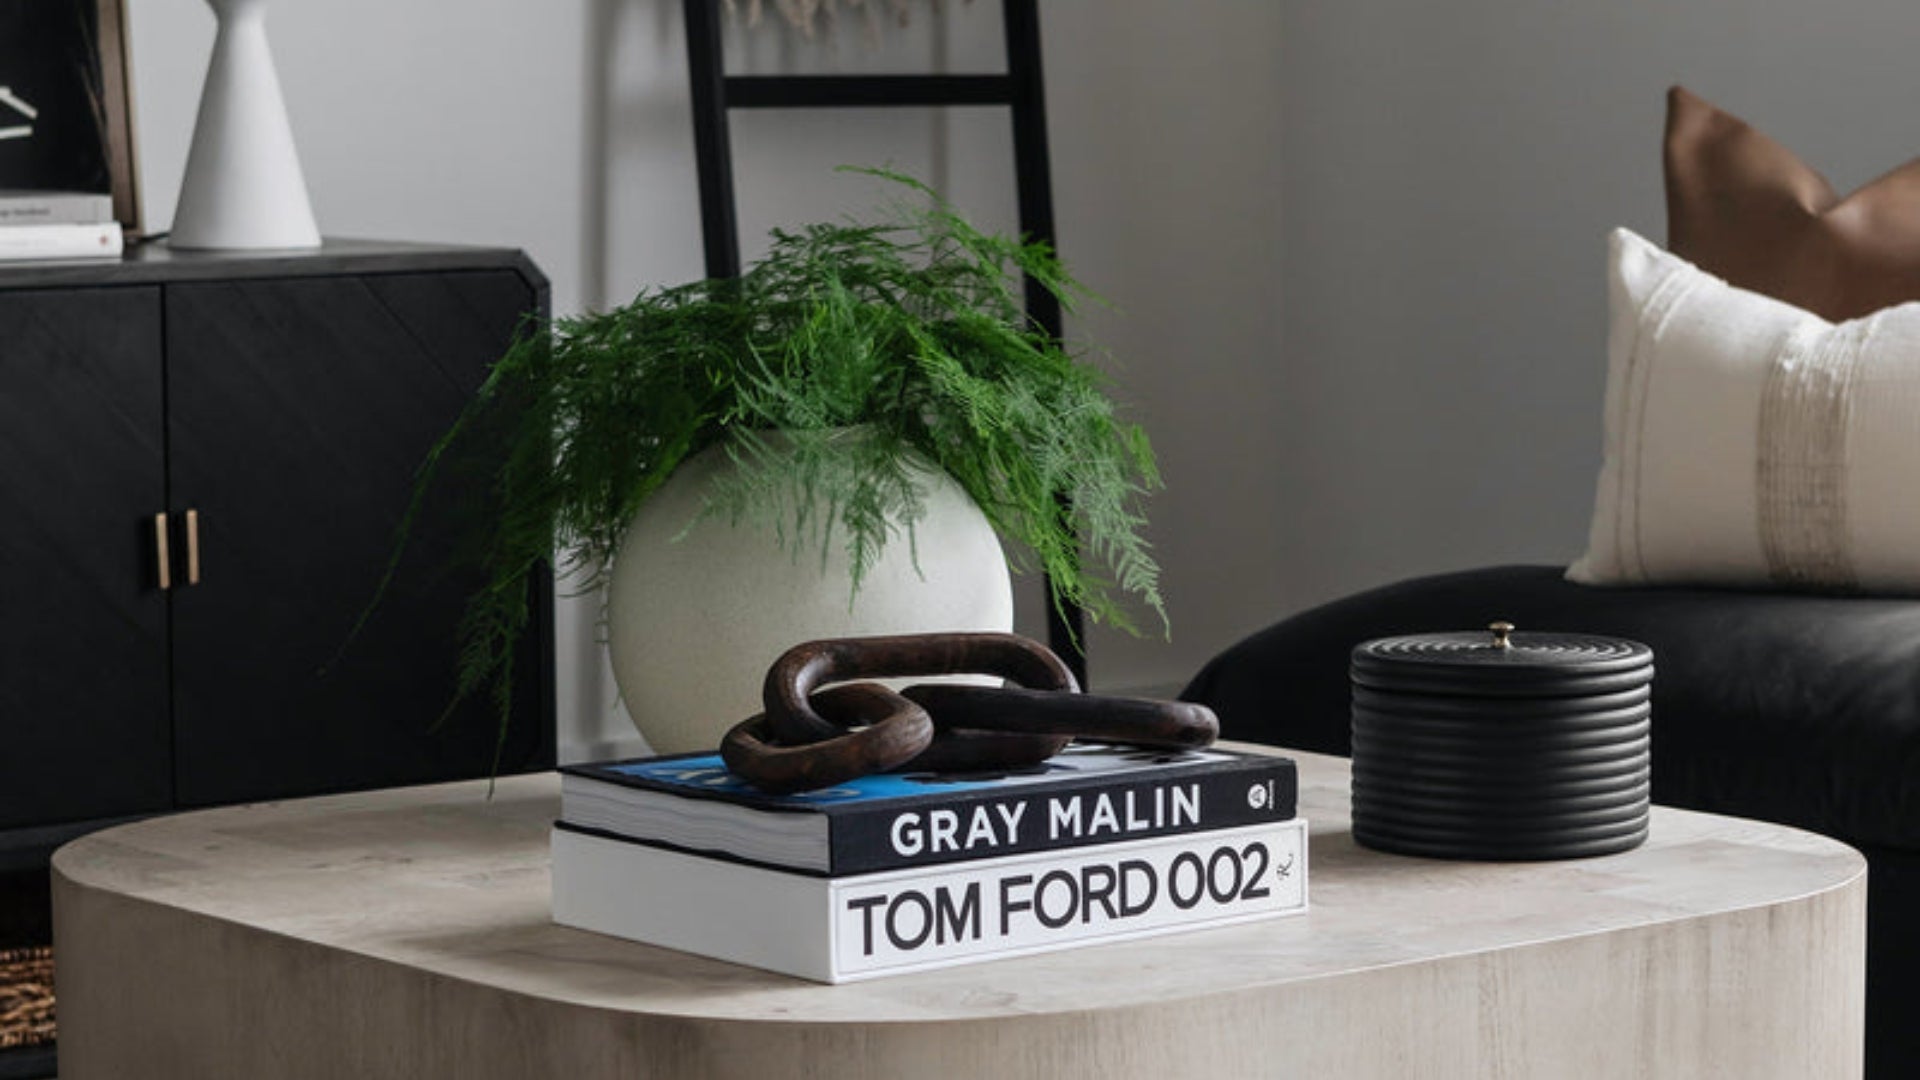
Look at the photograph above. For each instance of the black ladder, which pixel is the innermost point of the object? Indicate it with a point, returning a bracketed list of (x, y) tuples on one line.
[(1021, 89)]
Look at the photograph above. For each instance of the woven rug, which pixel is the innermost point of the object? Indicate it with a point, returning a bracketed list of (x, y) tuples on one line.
[(26, 997)]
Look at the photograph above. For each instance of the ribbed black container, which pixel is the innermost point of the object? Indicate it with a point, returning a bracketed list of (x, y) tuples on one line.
[(1501, 745)]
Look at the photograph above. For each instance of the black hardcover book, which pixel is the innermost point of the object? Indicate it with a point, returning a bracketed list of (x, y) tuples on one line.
[(1087, 794)]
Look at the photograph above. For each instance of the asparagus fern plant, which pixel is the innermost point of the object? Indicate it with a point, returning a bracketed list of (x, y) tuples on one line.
[(907, 330)]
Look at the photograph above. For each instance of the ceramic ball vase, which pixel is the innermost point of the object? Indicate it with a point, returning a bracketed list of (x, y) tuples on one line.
[(699, 607)]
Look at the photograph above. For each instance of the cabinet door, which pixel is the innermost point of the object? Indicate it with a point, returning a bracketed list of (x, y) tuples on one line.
[(83, 624), (298, 412)]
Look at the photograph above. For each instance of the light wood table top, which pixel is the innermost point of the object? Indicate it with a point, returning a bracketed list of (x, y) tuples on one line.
[(407, 933)]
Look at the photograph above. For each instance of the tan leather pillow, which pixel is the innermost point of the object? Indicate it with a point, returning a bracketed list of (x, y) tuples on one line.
[(1744, 208)]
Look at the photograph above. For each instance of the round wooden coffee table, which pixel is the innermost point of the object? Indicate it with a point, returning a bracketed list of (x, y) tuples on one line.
[(406, 934)]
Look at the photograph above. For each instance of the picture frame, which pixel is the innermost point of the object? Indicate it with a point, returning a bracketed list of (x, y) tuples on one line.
[(66, 105)]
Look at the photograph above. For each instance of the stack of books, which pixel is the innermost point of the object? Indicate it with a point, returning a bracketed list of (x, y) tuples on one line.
[(57, 225), (913, 871)]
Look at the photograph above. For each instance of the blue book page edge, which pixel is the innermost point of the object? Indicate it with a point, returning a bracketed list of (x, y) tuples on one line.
[(705, 776)]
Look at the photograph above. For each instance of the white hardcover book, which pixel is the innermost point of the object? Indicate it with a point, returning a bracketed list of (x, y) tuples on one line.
[(20, 206), (855, 927), (20, 242)]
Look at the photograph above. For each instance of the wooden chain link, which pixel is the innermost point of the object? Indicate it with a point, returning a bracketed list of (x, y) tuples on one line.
[(810, 737)]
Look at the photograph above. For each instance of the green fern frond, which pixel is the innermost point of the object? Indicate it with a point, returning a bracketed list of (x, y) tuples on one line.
[(874, 350)]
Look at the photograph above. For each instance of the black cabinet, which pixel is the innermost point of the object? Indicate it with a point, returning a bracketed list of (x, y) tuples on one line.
[(203, 461), (83, 628)]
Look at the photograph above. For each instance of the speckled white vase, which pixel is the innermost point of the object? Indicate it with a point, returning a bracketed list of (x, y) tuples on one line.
[(694, 620)]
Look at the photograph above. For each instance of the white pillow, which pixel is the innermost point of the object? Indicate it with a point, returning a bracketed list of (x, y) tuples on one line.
[(1749, 442)]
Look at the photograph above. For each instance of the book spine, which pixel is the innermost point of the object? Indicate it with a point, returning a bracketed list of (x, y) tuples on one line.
[(62, 208), (984, 824), (20, 242), (842, 929)]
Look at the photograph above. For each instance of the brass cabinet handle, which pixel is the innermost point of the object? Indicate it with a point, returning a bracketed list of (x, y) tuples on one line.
[(193, 547), (164, 563)]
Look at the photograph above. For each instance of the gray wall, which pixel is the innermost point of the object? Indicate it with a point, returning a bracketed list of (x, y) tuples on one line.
[(1450, 172), (1355, 247)]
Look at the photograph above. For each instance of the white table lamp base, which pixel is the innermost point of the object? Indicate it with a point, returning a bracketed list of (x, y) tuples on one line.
[(243, 186)]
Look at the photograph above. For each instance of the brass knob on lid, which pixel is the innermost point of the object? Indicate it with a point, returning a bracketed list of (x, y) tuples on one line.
[(1500, 631)]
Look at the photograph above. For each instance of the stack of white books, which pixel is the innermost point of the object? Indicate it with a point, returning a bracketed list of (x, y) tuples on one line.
[(912, 871), (57, 225)]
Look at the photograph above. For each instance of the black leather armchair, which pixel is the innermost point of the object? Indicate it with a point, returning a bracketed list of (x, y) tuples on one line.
[(1802, 709)]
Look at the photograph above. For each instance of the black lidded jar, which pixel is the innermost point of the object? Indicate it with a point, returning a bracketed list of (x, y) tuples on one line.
[(1501, 745)]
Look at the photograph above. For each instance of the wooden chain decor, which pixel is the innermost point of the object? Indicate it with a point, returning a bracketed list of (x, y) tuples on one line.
[(813, 735)]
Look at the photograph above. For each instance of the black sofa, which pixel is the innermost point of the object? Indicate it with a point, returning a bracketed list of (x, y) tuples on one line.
[(1794, 708)]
